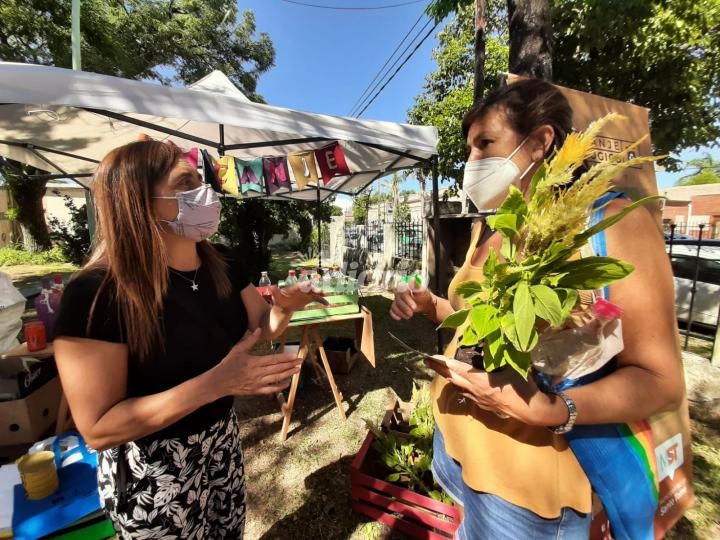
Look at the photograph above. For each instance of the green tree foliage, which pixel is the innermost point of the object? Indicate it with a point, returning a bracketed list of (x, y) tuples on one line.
[(361, 203), (708, 172), (658, 54), (250, 224), (448, 91), (173, 41), (168, 41), (401, 213)]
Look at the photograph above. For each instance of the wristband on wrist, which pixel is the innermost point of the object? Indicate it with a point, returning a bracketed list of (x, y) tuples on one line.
[(572, 414)]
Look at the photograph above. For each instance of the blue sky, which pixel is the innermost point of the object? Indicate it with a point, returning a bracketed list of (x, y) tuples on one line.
[(325, 58)]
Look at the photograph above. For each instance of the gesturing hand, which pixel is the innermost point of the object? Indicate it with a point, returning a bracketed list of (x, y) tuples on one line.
[(241, 373), (296, 296), (410, 298)]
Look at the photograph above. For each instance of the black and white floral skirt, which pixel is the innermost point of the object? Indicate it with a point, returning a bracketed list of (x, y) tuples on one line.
[(187, 488)]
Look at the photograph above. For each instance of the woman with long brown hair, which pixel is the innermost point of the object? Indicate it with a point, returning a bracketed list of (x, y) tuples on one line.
[(151, 347)]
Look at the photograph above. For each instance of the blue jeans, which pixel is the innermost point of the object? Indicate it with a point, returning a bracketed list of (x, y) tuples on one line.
[(488, 517)]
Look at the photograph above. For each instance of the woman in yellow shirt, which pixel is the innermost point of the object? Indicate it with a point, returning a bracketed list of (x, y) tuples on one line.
[(493, 451)]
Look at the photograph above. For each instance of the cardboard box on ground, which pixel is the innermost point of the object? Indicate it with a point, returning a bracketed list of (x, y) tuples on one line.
[(21, 376), (341, 353), (26, 420)]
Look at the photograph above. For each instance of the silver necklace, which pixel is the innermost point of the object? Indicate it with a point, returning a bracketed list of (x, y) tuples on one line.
[(193, 286)]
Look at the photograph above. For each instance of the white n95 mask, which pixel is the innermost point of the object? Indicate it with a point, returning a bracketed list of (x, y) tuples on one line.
[(198, 213), (487, 181)]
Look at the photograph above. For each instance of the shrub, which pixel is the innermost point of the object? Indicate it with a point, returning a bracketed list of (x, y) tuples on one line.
[(13, 256)]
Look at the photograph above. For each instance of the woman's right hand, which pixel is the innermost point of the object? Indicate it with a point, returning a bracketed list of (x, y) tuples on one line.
[(241, 373), (409, 300)]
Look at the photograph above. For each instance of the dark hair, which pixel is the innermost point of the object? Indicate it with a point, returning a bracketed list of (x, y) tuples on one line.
[(528, 104)]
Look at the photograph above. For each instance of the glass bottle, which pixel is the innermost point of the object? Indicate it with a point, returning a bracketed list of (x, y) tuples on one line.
[(264, 287)]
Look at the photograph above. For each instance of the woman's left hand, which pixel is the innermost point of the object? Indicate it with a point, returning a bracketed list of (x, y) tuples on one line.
[(503, 392), (296, 296)]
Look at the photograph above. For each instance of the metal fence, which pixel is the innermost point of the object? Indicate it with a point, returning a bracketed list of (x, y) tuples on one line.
[(690, 232), (355, 236), (696, 270), (375, 236), (409, 240)]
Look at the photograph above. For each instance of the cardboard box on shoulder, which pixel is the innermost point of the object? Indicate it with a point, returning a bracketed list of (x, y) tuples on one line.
[(25, 420)]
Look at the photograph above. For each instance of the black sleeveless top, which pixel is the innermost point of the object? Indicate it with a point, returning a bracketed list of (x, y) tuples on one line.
[(199, 330)]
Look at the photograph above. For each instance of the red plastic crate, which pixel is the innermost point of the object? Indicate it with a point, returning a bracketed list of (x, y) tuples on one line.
[(415, 515)]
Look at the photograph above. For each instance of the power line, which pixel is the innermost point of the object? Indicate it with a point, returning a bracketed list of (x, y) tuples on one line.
[(352, 8), (387, 71), (367, 88), (397, 70)]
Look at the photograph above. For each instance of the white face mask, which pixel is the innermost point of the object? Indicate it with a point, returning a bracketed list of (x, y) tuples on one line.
[(487, 181), (198, 213)]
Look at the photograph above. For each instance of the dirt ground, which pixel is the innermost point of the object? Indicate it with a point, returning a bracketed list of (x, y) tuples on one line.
[(301, 488)]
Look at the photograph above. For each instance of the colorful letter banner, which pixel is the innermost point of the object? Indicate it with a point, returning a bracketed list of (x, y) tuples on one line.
[(331, 161), (192, 157), (250, 172), (228, 175), (304, 168), (276, 172), (208, 171)]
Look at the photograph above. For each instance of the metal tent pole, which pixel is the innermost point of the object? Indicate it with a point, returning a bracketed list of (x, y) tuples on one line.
[(436, 239), (319, 225)]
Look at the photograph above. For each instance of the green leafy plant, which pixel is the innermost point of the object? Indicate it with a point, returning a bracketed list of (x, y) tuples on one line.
[(12, 256), (535, 281), (408, 455)]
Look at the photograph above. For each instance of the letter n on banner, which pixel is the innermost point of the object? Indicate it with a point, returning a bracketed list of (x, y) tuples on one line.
[(331, 161), (276, 172)]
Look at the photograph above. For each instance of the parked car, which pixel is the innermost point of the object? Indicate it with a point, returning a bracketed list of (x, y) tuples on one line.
[(677, 236), (686, 265)]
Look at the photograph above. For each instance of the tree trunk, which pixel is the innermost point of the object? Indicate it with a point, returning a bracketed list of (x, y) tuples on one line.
[(530, 38), (28, 195), (480, 27)]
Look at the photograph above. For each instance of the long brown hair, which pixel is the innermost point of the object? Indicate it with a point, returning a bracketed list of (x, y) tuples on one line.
[(129, 244)]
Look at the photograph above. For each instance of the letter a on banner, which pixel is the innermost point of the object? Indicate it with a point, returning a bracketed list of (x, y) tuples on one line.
[(304, 168), (250, 172), (277, 175), (331, 161)]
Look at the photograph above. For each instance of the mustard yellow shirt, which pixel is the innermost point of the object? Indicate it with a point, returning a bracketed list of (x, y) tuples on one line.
[(526, 465)]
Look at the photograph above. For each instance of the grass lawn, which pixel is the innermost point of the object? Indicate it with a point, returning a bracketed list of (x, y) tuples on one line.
[(301, 488)]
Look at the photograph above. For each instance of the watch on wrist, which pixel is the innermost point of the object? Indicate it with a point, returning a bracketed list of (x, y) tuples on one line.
[(572, 414)]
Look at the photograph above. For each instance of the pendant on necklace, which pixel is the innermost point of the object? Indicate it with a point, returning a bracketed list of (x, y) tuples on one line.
[(194, 286)]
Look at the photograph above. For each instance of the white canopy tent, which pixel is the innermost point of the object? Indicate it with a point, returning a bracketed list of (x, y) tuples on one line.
[(65, 121)]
